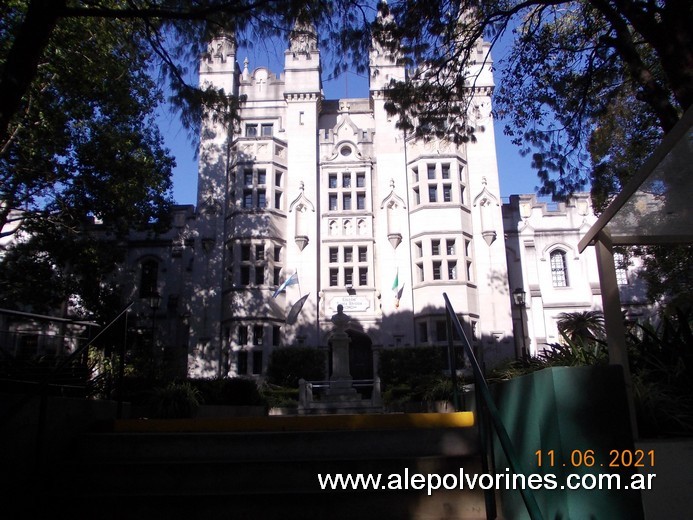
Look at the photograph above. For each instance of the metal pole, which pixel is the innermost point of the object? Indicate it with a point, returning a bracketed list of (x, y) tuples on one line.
[(452, 363)]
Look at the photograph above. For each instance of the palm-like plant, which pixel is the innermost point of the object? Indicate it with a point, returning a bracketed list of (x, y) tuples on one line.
[(582, 325)]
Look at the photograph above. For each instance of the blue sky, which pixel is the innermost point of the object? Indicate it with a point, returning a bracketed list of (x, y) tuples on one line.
[(516, 174)]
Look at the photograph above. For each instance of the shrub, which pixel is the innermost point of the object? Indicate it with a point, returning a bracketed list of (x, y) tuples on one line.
[(175, 401), (409, 365), (280, 397), (412, 374), (290, 364)]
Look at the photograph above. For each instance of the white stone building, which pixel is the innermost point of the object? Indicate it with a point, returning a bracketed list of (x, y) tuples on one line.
[(331, 196), (331, 193), (545, 265)]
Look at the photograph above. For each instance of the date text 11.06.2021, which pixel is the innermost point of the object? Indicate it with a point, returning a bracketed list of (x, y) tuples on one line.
[(591, 458)]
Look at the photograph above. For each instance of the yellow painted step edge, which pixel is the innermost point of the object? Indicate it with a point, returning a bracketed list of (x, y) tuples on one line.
[(298, 423)]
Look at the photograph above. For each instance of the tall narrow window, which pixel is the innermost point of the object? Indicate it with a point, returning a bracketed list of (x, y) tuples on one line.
[(445, 172), (257, 362), (149, 278), (431, 170), (441, 330), (242, 334), (559, 269), (242, 362), (432, 193), (257, 334), (360, 201), (452, 270), (423, 332), (621, 266), (436, 271), (247, 199), (363, 275), (259, 275)]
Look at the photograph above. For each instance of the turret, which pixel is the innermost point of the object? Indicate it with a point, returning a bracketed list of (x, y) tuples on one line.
[(384, 56), (218, 66)]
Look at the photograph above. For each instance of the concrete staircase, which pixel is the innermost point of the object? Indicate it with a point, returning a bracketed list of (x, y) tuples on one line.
[(264, 468)]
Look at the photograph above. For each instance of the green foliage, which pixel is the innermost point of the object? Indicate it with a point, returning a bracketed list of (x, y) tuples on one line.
[(412, 374), (572, 65), (290, 364), (668, 272), (83, 146), (175, 401), (279, 397), (661, 359), (661, 366), (569, 353), (405, 365), (572, 70), (582, 325)]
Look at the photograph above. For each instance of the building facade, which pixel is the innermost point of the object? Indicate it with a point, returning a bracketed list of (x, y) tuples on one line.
[(544, 265), (330, 196), (306, 204)]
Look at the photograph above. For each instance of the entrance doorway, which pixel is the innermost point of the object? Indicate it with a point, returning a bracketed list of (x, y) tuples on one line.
[(360, 355)]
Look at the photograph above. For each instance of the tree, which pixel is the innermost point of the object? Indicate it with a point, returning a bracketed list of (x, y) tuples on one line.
[(84, 148), (668, 272), (574, 65), (571, 63), (175, 32), (570, 60), (582, 325)]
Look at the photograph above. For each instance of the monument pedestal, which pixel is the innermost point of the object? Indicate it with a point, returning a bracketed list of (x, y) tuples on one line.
[(340, 396)]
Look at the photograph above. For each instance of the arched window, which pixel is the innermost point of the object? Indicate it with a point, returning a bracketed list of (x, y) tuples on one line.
[(559, 269), (149, 278)]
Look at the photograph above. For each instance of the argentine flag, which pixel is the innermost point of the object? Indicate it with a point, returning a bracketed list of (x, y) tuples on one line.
[(291, 280)]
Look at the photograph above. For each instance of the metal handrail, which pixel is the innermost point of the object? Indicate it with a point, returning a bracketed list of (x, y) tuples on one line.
[(41, 427), (482, 389)]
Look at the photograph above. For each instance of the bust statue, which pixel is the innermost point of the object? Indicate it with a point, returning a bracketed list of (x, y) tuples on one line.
[(340, 320)]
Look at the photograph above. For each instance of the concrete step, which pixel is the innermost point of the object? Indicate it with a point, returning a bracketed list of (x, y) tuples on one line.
[(390, 505), (275, 446), (133, 478), (264, 469)]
